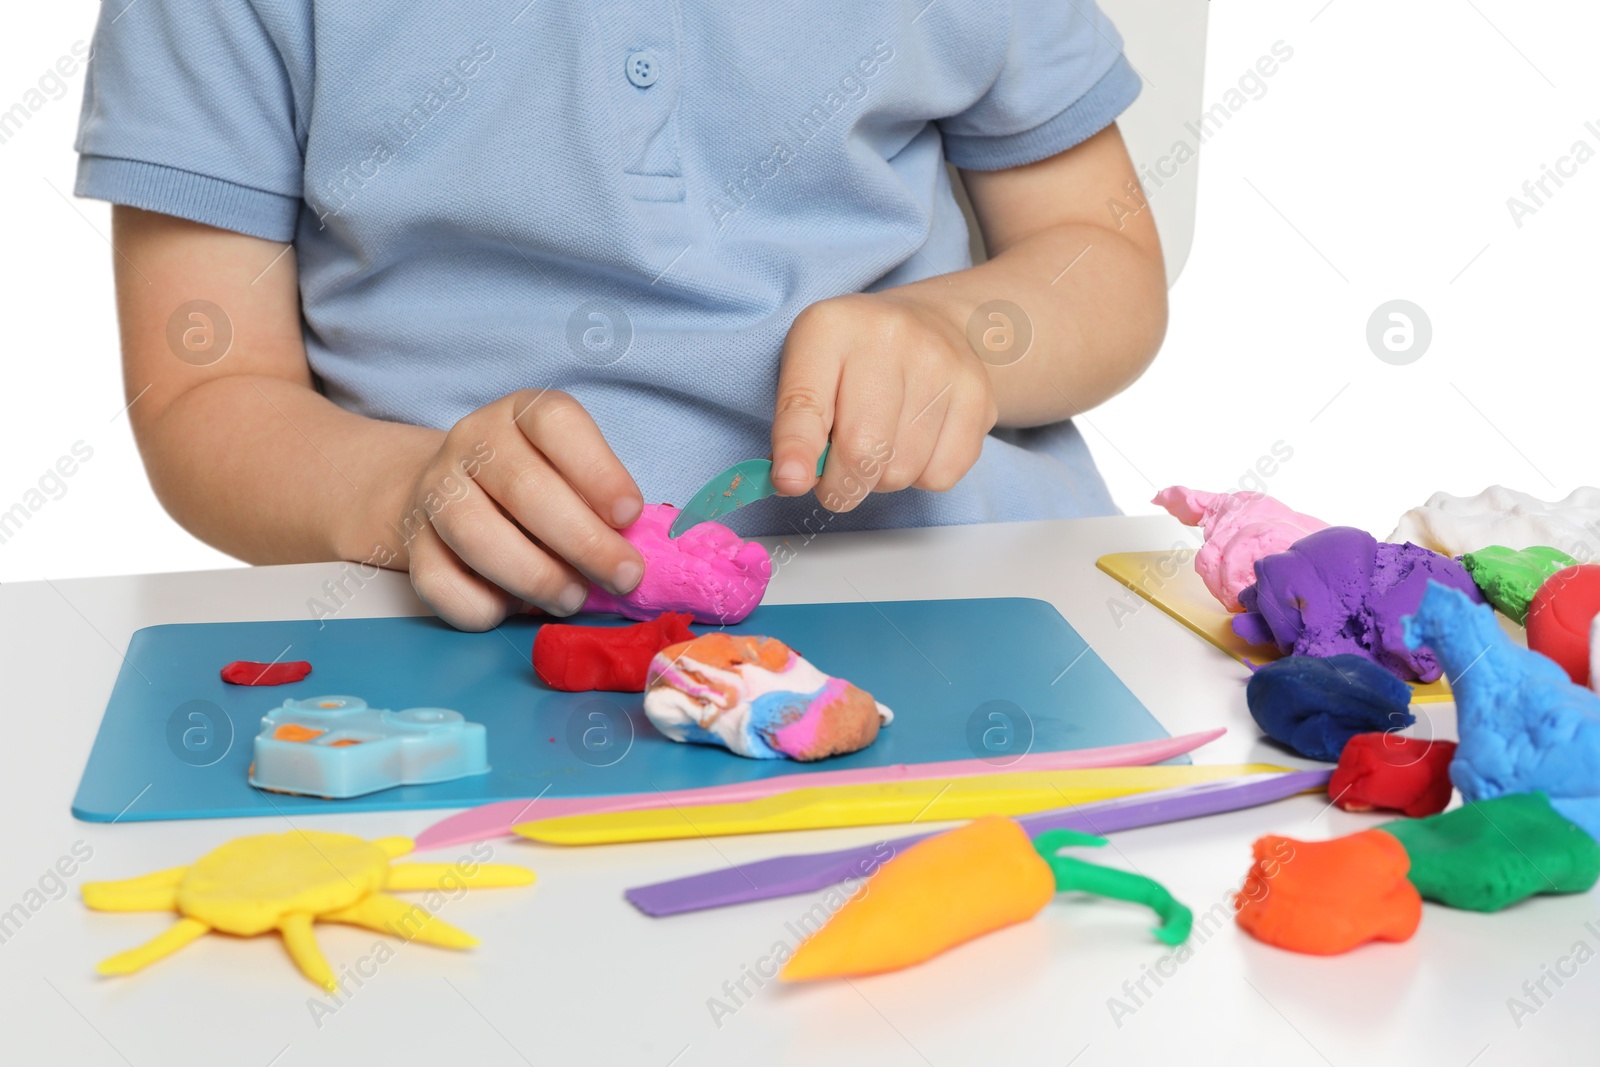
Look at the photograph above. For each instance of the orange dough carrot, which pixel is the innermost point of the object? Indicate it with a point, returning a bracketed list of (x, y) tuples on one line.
[(1327, 897), (937, 894)]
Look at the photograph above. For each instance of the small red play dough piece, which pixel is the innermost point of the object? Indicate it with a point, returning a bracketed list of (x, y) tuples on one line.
[(576, 659), (1388, 772), (1559, 618), (1326, 897), (244, 672)]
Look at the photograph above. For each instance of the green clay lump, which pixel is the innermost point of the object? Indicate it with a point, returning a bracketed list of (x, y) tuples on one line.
[(1490, 854), (1509, 577)]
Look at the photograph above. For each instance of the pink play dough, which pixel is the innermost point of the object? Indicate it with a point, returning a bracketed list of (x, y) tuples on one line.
[(709, 572), (1240, 528)]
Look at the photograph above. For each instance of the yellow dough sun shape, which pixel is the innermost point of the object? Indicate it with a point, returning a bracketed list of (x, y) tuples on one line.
[(286, 882)]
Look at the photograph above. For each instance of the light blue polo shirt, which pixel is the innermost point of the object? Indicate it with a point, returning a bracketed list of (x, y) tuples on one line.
[(629, 200)]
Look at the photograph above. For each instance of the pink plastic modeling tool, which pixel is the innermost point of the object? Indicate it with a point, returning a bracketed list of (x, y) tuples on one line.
[(497, 819)]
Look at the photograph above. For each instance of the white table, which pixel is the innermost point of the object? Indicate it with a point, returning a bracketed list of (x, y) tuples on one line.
[(569, 973)]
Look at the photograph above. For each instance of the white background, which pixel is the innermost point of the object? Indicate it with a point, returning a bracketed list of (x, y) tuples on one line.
[(1376, 166)]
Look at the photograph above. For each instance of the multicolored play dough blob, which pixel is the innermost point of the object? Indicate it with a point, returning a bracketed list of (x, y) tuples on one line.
[(1490, 854), (1339, 590), (1327, 897), (1392, 772), (1509, 577), (1315, 705), (1455, 525), (756, 696), (710, 572), (1239, 528), (1561, 616), (1524, 726)]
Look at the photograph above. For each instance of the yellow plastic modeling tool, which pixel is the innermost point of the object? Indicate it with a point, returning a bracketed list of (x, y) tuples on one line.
[(287, 882), (827, 807)]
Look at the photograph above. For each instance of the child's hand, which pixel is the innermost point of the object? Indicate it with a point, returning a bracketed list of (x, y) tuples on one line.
[(890, 379), (520, 508)]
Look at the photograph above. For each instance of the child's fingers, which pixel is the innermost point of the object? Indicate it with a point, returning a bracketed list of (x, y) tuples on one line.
[(535, 494), (559, 427), (927, 406), (808, 381), (451, 589), (865, 431), (481, 536), (962, 432)]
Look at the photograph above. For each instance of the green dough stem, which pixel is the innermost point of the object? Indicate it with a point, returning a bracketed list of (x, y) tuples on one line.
[(1490, 854), (1509, 577), (1074, 875)]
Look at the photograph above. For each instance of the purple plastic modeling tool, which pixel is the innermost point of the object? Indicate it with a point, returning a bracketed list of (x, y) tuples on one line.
[(784, 876)]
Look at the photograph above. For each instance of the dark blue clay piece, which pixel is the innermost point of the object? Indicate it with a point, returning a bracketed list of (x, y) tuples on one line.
[(1316, 704)]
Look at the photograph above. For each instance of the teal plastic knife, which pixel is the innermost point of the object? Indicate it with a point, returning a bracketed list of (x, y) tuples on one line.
[(741, 484)]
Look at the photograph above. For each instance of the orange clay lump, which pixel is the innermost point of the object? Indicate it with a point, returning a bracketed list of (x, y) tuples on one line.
[(971, 881), (1326, 897)]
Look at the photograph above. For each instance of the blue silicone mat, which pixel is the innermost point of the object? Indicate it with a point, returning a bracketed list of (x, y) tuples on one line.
[(990, 678)]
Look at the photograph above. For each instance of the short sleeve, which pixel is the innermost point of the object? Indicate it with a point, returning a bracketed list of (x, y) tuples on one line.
[(189, 111), (1064, 79)]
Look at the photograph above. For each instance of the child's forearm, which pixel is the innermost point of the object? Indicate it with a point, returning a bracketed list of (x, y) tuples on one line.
[(1094, 303), (272, 472), (1074, 247), (238, 444)]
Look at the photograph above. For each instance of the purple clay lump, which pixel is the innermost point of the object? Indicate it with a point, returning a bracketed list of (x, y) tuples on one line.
[(1341, 591)]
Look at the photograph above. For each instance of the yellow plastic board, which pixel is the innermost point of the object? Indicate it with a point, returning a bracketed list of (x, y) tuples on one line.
[(1172, 585)]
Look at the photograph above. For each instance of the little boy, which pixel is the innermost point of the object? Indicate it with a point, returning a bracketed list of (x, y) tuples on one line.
[(456, 287)]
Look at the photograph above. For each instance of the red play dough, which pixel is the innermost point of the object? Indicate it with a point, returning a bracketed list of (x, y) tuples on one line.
[(1559, 618), (244, 672), (576, 659), (1387, 772)]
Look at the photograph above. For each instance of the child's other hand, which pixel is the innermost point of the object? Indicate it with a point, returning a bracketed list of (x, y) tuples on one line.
[(891, 381), (520, 508)]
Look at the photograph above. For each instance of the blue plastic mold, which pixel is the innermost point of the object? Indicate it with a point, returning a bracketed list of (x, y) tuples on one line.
[(337, 747)]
